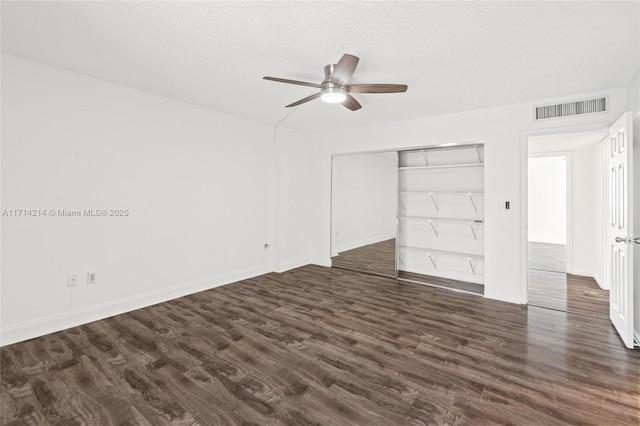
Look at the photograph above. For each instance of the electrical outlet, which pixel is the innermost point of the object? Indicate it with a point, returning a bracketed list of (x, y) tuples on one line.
[(72, 279), (91, 277)]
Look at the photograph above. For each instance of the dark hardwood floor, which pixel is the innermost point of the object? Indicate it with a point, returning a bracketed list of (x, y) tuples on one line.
[(442, 282), (378, 258), (569, 293), (325, 346)]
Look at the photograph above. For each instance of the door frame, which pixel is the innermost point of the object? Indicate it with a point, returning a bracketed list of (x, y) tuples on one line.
[(524, 192)]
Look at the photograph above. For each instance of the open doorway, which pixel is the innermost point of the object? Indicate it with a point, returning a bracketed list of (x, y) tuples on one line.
[(548, 212), (566, 223)]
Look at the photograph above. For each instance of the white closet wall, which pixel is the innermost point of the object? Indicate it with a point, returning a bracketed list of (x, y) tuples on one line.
[(441, 212)]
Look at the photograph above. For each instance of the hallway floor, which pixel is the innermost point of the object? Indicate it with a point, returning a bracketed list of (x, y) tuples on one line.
[(548, 257)]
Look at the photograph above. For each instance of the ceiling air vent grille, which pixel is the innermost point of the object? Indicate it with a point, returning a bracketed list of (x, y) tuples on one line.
[(587, 106)]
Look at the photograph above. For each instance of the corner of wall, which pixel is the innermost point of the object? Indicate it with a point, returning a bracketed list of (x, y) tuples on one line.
[(320, 261), (292, 264), (505, 296)]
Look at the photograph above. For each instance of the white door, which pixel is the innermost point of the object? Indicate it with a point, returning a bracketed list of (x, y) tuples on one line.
[(620, 229)]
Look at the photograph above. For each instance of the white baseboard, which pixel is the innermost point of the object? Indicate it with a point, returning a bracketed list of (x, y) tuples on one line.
[(320, 261), (54, 323), (504, 296), (363, 242), (283, 267), (598, 281), (581, 273)]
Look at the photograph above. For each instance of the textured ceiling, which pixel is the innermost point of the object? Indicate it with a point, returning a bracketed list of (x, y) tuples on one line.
[(454, 56)]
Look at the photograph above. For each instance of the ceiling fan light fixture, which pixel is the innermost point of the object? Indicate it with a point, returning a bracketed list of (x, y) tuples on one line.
[(333, 95), (335, 89)]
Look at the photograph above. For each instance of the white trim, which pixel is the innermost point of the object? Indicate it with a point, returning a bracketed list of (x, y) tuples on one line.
[(411, 148), (603, 144), (598, 281), (58, 322), (504, 295), (320, 261), (581, 273), (293, 264), (363, 242), (569, 209)]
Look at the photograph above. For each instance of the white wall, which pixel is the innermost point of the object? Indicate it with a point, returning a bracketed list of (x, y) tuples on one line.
[(194, 181), (584, 188), (548, 200), (364, 199), (633, 104), (504, 131), (293, 199)]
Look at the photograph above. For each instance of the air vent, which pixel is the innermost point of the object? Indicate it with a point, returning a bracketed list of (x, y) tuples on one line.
[(568, 109)]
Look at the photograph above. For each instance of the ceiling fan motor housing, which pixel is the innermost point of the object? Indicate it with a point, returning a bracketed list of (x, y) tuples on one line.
[(331, 90)]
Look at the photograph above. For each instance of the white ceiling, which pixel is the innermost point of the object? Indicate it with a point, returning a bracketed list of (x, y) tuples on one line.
[(565, 141), (454, 56)]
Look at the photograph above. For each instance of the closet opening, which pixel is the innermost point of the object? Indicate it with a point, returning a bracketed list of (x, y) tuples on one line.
[(441, 217), (416, 215)]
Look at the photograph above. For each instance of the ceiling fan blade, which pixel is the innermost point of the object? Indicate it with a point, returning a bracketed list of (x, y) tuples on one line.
[(344, 69), (303, 100), (376, 88), (300, 83), (351, 103)]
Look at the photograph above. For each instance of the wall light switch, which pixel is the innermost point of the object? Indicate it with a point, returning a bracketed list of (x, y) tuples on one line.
[(91, 277)]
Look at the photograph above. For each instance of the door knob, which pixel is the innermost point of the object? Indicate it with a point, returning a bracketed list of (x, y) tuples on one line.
[(621, 240), (636, 240)]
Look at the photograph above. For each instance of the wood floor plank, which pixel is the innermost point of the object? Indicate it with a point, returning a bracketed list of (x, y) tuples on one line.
[(442, 282), (568, 293), (378, 258), (324, 346)]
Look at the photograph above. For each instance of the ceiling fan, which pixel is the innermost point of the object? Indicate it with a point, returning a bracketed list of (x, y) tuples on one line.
[(334, 88)]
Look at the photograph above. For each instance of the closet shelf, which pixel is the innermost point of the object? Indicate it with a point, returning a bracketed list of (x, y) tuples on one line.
[(435, 202), (443, 219), (443, 166), (454, 253)]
